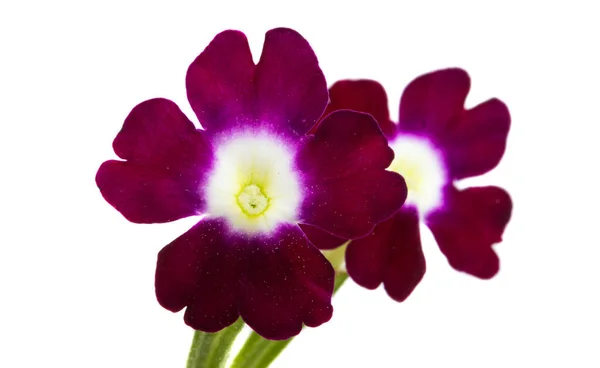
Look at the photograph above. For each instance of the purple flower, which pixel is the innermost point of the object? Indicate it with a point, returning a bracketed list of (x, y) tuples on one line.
[(254, 173), (436, 143)]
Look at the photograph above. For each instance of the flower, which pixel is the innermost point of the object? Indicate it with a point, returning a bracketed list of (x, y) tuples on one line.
[(253, 173), (436, 143)]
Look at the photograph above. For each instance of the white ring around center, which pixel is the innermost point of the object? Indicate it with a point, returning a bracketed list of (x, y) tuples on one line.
[(265, 165)]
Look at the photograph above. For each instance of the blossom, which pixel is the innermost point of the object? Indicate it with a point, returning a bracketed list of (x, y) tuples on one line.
[(436, 143), (253, 173)]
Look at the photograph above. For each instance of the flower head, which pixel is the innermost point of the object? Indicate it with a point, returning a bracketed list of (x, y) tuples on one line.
[(254, 173), (436, 142)]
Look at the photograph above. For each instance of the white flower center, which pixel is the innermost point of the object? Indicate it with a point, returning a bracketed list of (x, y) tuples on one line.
[(253, 184), (422, 167)]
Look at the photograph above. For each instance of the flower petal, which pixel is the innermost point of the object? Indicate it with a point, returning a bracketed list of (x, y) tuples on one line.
[(288, 281), (470, 223), (320, 238), (201, 270), (167, 160), (220, 83), (433, 101), (291, 88), (473, 141), (347, 189), (391, 255), (478, 141), (146, 195), (276, 283), (364, 96)]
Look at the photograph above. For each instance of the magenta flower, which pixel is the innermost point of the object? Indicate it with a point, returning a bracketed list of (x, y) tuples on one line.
[(254, 173), (436, 143)]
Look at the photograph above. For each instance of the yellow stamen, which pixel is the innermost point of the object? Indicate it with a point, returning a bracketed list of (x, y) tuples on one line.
[(252, 201)]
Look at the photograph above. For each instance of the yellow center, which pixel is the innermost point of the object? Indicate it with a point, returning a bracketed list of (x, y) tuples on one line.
[(411, 170), (252, 201), (421, 165)]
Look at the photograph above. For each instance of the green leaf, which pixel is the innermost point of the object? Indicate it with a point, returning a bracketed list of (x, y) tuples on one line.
[(210, 350)]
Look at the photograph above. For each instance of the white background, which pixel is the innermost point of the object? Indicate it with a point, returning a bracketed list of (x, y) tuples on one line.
[(76, 279)]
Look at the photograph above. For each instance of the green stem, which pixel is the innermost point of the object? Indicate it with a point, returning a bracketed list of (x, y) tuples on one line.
[(259, 352), (340, 278), (210, 350)]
